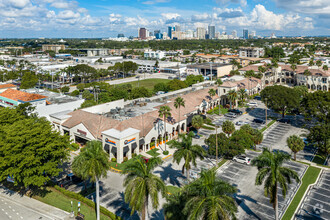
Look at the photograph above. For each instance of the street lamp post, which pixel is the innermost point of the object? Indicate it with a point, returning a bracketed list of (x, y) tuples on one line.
[(266, 110), (216, 144)]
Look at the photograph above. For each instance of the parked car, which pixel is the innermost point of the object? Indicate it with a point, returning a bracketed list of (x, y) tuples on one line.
[(252, 104), (257, 98), (231, 115), (197, 136), (239, 123), (236, 111), (259, 121), (242, 159), (284, 120)]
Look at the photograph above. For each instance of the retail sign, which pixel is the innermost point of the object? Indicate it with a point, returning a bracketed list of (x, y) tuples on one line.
[(110, 141), (129, 141), (82, 132)]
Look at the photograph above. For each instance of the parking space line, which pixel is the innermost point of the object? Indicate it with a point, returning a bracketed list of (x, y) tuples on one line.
[(318, 207)]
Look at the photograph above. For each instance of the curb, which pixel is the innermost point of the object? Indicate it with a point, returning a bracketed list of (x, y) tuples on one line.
[(167, 157), (115, 170)]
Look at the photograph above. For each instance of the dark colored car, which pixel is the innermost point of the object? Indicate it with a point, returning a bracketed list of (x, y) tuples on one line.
[(257, 98), (197, 136), (259, 121), (284, 120), (236, 111)]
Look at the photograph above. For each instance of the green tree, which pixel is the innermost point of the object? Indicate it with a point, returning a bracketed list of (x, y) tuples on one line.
[(87, 95), (164, 112), (325, 67), (280, 98), (75, 93), (317, 105), (192, 79), (319, 63), (81, 87), (65, 89), (187, 151), (161, 87), (176, 84), (242, 94), (228, 127), (296, 144), (320, 136), (232, 96), (197, 122), (35, 137), (141, 185), (270, 168), (311, 62), (92, 163), (139, 92), (178, 103), (29, 80), (88, 103), (219, 83), (210, 198), (307, 72)]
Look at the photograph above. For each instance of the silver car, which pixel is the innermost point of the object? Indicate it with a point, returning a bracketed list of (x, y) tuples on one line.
[(239, 123), (231, 115)]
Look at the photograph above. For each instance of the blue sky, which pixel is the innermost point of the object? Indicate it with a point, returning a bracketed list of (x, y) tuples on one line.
[(107, 18)]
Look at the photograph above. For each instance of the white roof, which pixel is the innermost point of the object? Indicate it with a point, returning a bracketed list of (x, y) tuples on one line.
[(120, 134)]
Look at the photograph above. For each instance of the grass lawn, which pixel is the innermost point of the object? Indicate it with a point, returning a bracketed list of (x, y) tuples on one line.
[(268, 125), (309, 178), (147, 83), (121, 166), (57, 199), (216, 111), (222, 162), (208, 127), (153, 152), (173, 189)]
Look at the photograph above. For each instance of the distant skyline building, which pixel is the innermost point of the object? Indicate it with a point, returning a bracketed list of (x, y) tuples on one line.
[(245, 34), (143, 33), (177, 28), (200, 32), (234, 33), (253, 34), (120, 35), (169, 31), (211, 31)]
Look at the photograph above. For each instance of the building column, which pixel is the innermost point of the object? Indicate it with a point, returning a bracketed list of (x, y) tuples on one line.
[(120, 156), (129, 153), (110, 154)]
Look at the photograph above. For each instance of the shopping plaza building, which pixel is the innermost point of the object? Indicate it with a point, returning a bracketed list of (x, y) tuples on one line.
[(130, 127)]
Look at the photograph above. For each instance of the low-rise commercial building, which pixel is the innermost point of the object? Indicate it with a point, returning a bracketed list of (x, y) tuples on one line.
[(13, 97), (55, 48), (251, 52), (210, 69)]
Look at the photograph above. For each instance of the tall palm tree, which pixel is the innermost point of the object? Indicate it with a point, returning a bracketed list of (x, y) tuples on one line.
[(242, 94), (296, 144), (232, 96), (197, 122), (210, 198), (164, 112), (325, 67), (293, 67), (141, 185), (219, 83), (178, 103), (92, 163), (212, 93), (270, 168), (187, 151)]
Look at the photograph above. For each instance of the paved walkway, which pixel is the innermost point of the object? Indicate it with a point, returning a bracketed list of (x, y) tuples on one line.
[(15, 206)]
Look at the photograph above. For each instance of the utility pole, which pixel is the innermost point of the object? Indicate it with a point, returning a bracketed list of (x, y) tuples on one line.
[(216, 143), (266, 110), (52, 80)]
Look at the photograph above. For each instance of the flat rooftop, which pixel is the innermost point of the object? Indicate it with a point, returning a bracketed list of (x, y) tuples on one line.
[(53, 97), (207, 65)]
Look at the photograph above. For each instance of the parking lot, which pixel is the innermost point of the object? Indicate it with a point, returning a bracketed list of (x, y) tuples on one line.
[(316, 204), (252, 202)]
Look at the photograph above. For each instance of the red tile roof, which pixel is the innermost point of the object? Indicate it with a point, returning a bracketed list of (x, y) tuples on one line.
[(3, 86), (16, 95)]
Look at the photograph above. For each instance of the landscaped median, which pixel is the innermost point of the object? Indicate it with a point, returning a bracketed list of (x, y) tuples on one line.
[(309, 178), (268, 125)]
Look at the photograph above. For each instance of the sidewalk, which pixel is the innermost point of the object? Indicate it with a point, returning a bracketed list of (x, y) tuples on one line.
[(34, 205)]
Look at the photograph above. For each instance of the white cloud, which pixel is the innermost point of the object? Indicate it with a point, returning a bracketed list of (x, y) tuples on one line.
[(169, 16), (152, 2), (17, 3), (68, 14), (64, 4), (318, 7)]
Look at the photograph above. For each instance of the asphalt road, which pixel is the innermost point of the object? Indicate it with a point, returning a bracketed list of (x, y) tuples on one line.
[(10, 210)]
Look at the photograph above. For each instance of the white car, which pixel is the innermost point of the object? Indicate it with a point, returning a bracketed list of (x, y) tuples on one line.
[(242, 159), (252, 104), (239, 123)]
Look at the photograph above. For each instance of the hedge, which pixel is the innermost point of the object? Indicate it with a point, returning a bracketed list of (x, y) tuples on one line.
[(208, 128), (86, 201)]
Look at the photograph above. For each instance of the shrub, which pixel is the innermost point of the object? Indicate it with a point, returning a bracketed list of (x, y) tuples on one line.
[(125, 159), (75, 93), (165, 152), (65, 89), (75, 146), (86, 201), (134, 155), (113, 159)]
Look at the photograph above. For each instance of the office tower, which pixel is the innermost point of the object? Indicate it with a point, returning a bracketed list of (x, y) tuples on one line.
[(156, 32), (189, 34), (245, 34), (200, 33), (177, 28), (120, 35), (143, 33), (234, 33), (211, 32), (159, 36), (169, 31), (253, 34)]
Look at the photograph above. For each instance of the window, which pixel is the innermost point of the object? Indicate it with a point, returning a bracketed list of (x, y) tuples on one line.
[(224, 91)]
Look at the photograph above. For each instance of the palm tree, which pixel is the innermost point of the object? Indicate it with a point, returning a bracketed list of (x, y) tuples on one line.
[(232, 96), (311, 62), (242, 94), (165, 112), (210, 198), (92, 163), (187, 151), (197, 122), (178, 103), (270, 168), (141, 185), (296, 144), (325, 67), (228, 127), (219, 83), (212, 93), (319, 63)]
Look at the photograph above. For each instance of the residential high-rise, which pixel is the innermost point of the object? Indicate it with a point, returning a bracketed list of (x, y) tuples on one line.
[(245, 34), (211, 32), (201, 33), (253, 34), (143, 33), (234, 33), (177, 28)]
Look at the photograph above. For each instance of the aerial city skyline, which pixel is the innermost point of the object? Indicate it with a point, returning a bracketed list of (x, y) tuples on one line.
[(102, 18)]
